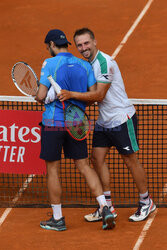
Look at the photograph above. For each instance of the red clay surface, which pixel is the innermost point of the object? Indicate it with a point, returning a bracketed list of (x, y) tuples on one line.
[(22, 228), (142, 61)]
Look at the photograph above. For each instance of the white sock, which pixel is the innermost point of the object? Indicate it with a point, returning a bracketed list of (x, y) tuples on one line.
[(102, 201), (144, 198), (57, 212), (107, 195)]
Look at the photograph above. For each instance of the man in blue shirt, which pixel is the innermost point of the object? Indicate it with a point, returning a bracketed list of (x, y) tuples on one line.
[(72, 74)]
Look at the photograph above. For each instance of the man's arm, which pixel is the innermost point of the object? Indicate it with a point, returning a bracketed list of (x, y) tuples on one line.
[(41, 93), (96, 93)]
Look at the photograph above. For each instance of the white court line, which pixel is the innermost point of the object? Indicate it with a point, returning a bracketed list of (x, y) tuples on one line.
[(149, 222), (144, 231), (115, 53), (124, 40), (17, 196)]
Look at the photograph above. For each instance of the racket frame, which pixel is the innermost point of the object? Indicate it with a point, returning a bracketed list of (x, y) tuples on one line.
[(88, 122), (14, 80), (57, 89)]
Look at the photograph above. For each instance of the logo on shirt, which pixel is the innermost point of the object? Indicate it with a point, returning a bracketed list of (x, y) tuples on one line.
[(106, 76), (109, 77)]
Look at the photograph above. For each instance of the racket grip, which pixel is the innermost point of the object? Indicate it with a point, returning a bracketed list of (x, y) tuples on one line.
[(54, 84)]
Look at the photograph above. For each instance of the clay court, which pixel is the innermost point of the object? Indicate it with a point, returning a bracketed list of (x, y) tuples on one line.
[(142, 61)]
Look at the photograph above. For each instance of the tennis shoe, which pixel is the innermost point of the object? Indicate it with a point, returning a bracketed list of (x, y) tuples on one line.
[(52, 224), (108, 219), (143, 211), (97, 216)]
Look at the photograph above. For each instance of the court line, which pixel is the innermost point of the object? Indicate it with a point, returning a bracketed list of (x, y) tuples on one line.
[(145, 230), (149, 221), (115, 53), (17, 196), (130, 31)]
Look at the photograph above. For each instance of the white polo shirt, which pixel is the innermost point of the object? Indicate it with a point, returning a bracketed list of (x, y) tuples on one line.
[(115, 107)]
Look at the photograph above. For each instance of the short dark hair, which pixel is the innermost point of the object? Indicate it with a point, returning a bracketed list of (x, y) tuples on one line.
[(60, 46), (84, 31)]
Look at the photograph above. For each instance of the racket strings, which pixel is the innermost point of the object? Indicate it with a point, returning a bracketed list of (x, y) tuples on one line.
[(77, 122), (25, 79)]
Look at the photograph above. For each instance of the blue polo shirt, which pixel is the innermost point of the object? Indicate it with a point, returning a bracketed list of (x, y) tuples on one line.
[(70, 73)]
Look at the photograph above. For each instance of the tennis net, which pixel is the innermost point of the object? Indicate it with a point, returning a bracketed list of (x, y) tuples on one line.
[(30, 190)]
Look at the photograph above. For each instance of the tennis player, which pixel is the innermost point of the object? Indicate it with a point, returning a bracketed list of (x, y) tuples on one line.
[(115, 126), (76, 75)]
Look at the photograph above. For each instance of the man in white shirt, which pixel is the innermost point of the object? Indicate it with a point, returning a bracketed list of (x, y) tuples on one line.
[(115, 126)]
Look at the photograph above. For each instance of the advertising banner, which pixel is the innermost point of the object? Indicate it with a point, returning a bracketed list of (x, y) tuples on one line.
[(20, 142)]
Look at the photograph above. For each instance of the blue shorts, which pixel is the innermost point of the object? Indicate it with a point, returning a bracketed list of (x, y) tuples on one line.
[(123, 137), (54, 139)]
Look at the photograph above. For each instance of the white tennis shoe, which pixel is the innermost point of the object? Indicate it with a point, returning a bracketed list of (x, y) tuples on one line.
[(143, 211), (96, 216)]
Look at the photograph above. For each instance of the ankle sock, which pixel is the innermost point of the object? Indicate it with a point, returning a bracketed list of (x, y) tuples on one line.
[(102, 201), (144, 198), (107, 195), (57, 212)]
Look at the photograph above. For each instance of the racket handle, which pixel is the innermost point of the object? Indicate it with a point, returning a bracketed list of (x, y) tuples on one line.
[(54, 84)]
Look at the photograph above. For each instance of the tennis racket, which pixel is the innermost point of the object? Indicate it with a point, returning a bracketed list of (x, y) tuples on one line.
[(77, 122), (25, 79)]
